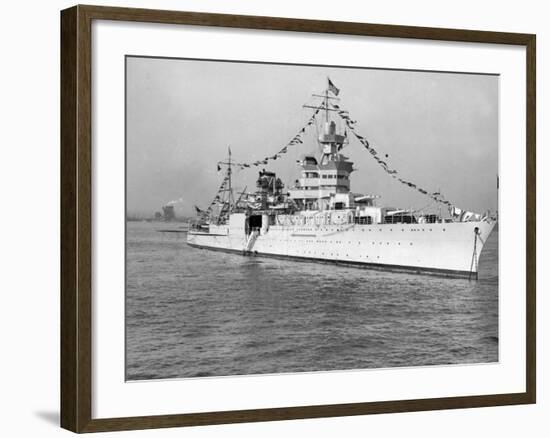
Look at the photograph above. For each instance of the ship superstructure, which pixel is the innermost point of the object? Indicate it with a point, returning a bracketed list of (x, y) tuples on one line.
[(321, 219)]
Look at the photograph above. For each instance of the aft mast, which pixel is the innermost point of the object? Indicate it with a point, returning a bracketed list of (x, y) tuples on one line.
[(228, 200), (231, 200)]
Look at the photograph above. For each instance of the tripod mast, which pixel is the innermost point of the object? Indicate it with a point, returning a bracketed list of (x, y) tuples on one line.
[(229, 202)]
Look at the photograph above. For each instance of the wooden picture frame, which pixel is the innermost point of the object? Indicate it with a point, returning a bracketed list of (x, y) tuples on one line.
[(76, 218)]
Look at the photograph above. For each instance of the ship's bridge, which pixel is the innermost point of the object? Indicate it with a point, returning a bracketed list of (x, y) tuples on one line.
[(325, 183)]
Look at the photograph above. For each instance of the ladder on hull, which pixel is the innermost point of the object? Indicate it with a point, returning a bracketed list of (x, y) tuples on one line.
[(251, 240)]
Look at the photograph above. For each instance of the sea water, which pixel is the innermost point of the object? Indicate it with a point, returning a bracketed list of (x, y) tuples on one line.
[(193, 312)]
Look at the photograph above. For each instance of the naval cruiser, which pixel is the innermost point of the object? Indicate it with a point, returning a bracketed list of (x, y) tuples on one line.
[(320, 218)]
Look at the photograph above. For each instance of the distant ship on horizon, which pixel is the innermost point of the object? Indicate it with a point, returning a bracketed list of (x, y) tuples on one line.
[(321, 219)]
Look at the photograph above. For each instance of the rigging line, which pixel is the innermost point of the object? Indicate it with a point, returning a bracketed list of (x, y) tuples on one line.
[(241, 166), (429, 204), (436, 196), (292, 142), (216, 197), (402, 163)]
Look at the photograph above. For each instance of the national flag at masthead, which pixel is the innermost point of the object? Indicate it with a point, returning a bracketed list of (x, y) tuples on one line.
[(332, 88)]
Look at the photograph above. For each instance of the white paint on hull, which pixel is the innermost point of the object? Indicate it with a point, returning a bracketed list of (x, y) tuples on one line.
[(437, 246)]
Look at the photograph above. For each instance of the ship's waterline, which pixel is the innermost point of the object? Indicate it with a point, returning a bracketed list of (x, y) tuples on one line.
[(452, 248)]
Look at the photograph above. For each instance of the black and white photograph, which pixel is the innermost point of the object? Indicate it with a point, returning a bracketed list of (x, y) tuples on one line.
[(287, 218)]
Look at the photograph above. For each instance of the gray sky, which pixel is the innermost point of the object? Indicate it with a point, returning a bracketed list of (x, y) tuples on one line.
[(440, 130)]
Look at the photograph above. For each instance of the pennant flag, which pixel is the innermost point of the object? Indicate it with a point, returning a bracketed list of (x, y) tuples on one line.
[(332, 88)]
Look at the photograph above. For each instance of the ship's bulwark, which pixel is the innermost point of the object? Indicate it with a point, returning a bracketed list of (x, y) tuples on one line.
[(439, 248)]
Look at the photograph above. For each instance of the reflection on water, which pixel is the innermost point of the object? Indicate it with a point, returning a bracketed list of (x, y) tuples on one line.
[(192, 312)]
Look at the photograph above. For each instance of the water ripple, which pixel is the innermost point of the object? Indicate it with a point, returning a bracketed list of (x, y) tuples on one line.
[(193, 313)]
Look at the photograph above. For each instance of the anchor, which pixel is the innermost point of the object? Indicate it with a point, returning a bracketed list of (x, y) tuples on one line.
[(477, 235)]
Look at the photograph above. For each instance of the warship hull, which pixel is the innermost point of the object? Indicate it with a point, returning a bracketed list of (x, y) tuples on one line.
[(450, 249)]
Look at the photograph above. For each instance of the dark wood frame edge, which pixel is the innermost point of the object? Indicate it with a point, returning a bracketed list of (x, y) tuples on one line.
[(76, 239)]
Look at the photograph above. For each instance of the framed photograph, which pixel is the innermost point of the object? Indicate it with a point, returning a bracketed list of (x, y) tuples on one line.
[(269, 218)]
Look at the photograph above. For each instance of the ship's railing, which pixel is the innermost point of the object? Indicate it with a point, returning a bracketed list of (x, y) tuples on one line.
[(319, 218), (363, 220), (348, 216)]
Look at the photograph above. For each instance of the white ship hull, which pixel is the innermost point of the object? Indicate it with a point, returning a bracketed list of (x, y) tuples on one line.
[(441, 248)]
